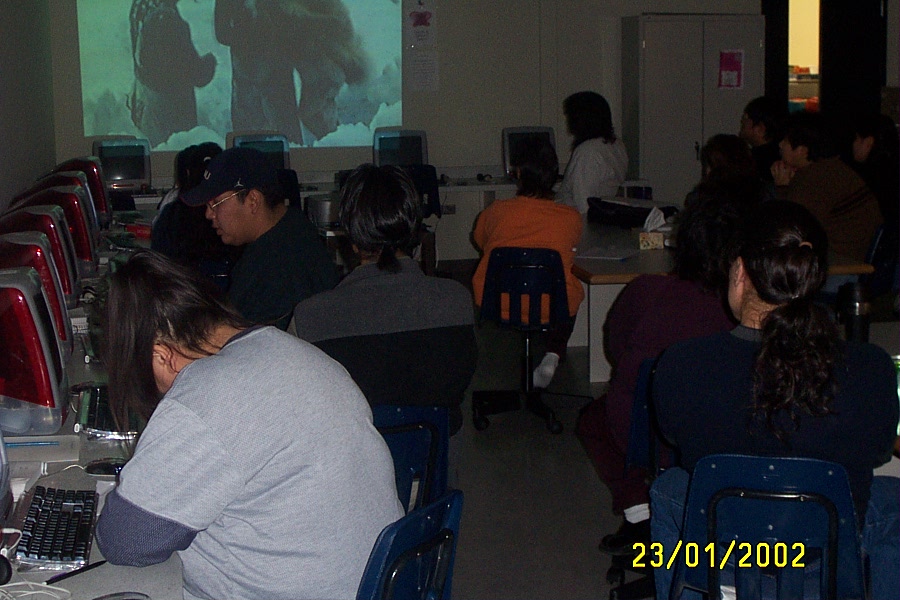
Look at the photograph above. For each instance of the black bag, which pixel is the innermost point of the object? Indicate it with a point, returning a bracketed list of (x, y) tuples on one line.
[(627, 216)]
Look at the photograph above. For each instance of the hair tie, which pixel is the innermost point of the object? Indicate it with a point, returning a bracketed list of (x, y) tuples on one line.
[(806, 244)]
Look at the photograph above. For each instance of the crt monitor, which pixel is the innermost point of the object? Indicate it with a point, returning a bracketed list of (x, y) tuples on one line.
[(76, 179), (51, 221), (32, 249), (33, 381), (514, 137), (273, 145), (401, 147), (93, 172), (74, 205), (125, 162)]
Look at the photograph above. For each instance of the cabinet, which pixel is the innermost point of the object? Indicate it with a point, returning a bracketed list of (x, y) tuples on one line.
[(685, 78)]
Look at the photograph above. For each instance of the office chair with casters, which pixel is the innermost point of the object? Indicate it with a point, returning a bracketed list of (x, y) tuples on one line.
[(644, 447), (514, 273), (781, 508), (413, 557), (418, 438)]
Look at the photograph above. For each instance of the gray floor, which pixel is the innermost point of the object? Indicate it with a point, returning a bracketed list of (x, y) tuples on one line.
[(535, 510), (534, 507)]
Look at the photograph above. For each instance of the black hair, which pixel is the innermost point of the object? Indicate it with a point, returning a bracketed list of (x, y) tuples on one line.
[(588, 116), (152, 299), (537, 168), (381, 212), (725, 156), (813, 131), (769, 112), (883, 130), (784, 251), (705, 230)]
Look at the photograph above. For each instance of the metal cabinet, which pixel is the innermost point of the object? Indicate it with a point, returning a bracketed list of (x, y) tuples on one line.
[(685, 78)]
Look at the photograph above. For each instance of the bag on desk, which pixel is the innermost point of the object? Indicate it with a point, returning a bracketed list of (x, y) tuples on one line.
[(621, 214)]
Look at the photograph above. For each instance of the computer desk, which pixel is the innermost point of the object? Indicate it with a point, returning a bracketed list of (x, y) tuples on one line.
[(160, 582), (605, 279)]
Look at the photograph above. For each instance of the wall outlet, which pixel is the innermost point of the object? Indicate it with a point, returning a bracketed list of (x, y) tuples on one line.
[(448, 209)]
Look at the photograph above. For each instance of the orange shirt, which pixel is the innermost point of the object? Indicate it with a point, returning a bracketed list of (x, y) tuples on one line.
[(525, 222)]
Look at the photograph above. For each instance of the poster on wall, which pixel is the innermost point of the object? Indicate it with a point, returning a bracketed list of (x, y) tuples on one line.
[(731, 69)]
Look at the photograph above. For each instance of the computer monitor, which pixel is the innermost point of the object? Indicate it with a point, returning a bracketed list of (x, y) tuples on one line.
[(77, 179), (514, 137), (125, 162), (273, 145), (51, 221), (75, 206), (32, 249), (401, 147), (93, 171), (33, 380)]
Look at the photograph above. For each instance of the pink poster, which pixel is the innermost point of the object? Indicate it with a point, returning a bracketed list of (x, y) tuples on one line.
[(731, 69)]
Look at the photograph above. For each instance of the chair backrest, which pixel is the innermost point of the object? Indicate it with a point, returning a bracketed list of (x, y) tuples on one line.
[(517, 273), (793, 513), (642, 442), (418, 438), (882, 255), (413, 557)]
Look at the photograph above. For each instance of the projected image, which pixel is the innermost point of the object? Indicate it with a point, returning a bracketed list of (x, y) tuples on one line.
[(182, 72)]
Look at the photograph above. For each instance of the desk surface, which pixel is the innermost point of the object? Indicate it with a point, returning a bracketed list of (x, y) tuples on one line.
[(596, 271)]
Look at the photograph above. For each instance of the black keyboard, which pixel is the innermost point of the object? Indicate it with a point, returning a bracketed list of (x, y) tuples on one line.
[(57, 527)]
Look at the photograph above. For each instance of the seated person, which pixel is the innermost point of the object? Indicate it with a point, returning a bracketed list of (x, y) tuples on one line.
[(283, 260), (599, 159), (259, 463), (651, 313), (761, 128), (810, 173), (405, 338), (728, 169), (182, 232), (533, 220), (875, 156), (782, 383)]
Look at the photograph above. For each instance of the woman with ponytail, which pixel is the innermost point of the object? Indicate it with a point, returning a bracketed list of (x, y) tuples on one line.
[(405, 338), (782, 383)]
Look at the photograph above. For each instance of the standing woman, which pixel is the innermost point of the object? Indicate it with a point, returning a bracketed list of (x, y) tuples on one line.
[(599, 159), (782, 383)]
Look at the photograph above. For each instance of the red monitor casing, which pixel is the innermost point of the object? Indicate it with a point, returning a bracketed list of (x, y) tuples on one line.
[(78, 211), (33, 381), (32, 249), (51, 221), (93, 171)]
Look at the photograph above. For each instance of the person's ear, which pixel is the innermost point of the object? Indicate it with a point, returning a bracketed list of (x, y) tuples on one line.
[(164, 357)]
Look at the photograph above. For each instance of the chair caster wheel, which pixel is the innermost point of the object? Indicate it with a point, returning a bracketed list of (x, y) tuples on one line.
[(554, 426), (615, 576), (481, 423)]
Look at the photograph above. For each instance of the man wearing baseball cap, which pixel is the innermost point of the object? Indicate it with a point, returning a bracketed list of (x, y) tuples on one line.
[(283, 261)]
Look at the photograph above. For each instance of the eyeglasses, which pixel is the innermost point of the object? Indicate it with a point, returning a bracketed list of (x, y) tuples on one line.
[(214, 205)]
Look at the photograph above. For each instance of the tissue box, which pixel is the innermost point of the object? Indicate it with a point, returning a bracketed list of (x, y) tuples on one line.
[(651, 240)]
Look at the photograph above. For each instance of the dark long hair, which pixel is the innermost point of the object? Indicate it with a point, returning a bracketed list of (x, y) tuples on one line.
[(705, 230), (784, 250), (153, 299), (588, 116), (381, 212)]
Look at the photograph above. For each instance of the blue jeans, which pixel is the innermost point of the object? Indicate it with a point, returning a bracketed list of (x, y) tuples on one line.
[(880, 538)]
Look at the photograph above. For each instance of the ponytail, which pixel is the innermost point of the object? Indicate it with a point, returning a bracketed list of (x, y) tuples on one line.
[(784, 250)]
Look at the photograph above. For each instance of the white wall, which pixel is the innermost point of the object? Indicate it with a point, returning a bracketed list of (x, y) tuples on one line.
[(26, 110), (507, 62)]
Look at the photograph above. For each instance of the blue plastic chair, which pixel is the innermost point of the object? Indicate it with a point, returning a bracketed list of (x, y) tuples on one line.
[(517, 273), (768, 501), (418, 438), (413, 557)]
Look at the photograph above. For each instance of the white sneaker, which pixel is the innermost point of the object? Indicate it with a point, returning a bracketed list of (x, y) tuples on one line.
[(545, 371)]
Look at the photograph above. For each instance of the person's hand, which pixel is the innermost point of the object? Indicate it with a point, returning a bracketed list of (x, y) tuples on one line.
[(782, 173)]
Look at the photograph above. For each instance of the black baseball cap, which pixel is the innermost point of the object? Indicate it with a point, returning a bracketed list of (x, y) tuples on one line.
[(233, 169)]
